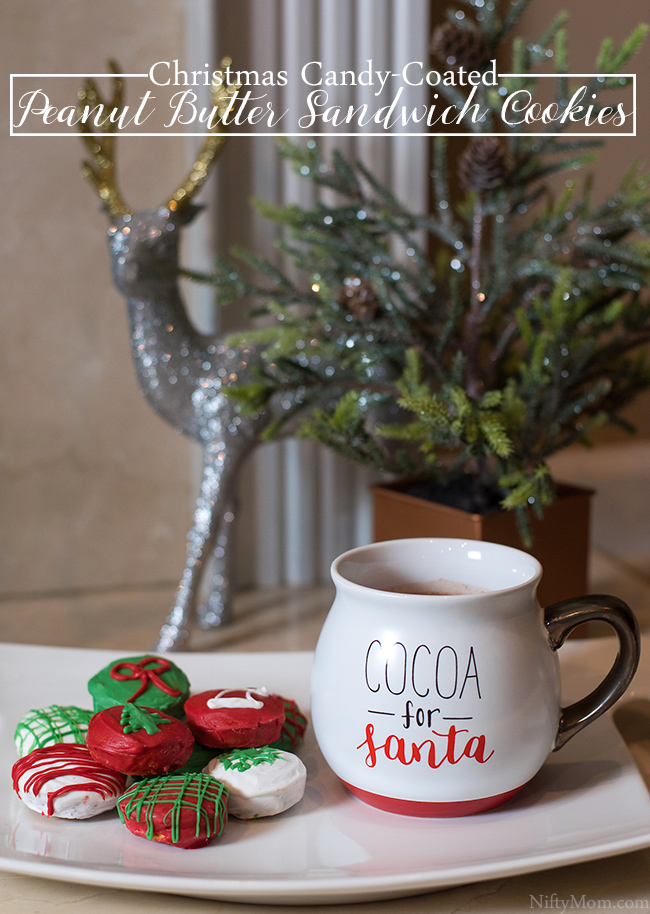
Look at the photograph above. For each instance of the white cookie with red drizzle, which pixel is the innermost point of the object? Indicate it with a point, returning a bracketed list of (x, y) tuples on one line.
[(65, 781)]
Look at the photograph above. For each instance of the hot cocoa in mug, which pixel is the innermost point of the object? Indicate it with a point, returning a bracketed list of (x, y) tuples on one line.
[(435, 686)]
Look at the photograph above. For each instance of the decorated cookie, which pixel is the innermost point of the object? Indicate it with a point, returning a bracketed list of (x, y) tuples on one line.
[(260, 782), (137, 740), (187, 810), (66, 781), (197, 761), (49, 726), (153, 682), (293, 728), (235, 718)]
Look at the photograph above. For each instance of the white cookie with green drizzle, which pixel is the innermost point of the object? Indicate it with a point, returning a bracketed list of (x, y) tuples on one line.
[(263, 781), (49, 726)]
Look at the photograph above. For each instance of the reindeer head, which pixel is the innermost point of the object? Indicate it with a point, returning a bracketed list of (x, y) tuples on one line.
[(144, 244)]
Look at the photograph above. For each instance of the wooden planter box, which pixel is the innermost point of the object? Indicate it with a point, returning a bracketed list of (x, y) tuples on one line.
[(560, 539)]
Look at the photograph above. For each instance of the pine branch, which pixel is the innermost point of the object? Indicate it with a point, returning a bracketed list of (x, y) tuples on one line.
[(477, 338), (512, 17), (629, 47)]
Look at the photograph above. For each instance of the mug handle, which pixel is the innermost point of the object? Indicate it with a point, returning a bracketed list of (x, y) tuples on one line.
[(561, 619)]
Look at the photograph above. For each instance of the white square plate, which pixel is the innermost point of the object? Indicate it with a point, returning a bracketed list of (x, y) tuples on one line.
[(588, 801)]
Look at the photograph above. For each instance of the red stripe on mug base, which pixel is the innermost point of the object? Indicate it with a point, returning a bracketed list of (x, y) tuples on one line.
[(432, 810)]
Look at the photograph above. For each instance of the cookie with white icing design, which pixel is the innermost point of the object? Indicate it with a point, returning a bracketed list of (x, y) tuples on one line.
[(49, 726), (261, 782), (66, 781), (235, 718)]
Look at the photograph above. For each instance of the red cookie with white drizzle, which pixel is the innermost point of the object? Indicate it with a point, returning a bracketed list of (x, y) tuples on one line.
[(67, 782), (235, 718), (148, 681), (139, 741)]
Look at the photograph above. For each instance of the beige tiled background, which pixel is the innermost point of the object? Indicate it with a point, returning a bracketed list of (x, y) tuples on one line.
[(94, 488)]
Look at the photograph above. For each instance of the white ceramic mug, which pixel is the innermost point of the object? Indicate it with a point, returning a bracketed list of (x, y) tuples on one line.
[(443, 705)]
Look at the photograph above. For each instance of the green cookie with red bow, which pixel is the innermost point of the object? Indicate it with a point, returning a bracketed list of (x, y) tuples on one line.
[(147, 681)]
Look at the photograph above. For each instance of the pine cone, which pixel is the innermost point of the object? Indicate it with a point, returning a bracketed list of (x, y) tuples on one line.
[(483, 165), (458, 46), (358, 297)]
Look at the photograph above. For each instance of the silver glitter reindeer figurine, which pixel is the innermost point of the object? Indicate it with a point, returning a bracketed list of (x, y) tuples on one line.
[(181, 372)]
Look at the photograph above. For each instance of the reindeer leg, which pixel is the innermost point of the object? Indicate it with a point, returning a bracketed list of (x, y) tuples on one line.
[(218, 607), (201, 540)]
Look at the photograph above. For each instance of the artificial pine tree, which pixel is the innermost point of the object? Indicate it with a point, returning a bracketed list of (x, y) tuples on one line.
[(515, 331)]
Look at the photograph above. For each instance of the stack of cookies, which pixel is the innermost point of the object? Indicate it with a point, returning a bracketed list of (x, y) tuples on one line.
[(173, 766)]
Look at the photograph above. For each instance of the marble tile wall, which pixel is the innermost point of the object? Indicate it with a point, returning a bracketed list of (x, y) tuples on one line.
[(94, 488)]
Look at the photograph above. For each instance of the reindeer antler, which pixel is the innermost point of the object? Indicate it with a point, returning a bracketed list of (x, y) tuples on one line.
[(221, 98), (101, 172)]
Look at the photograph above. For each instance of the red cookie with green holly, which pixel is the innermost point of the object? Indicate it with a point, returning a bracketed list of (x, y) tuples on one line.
[(235, 718), (139, 741)]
